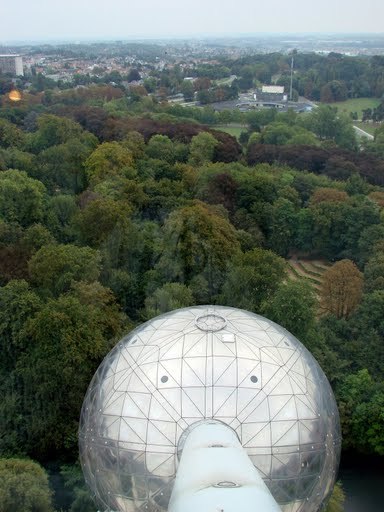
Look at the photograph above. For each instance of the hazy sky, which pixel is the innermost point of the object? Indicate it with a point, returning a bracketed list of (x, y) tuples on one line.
[(122, 19)]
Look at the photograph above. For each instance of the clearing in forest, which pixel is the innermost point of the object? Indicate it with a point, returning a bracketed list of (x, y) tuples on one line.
[(311, 270), (355, 105), (234, 130)]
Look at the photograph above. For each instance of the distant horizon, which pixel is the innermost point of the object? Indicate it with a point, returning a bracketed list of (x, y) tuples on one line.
[(44, 20), (188, 37)]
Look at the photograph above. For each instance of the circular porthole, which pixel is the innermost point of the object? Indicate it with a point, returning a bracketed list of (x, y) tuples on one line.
[(226, 484), (211, 322)]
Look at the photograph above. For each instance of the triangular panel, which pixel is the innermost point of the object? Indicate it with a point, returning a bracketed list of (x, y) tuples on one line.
[(224, 401), (158, 411), (193, 371), (193, 402), (224, 371)]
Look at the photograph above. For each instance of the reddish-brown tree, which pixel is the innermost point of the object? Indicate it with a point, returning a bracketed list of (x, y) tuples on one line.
[(342, 289)]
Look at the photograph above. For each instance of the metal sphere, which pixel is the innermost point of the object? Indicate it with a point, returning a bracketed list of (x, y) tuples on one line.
[(208, 362)]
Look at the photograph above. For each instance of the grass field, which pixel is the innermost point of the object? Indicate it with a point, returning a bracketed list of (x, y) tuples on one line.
[(232, 130), (356, 105), (368, 127), (225, 81)]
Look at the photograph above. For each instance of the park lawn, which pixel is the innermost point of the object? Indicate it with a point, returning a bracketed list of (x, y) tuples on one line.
[(224, 81), (356, 105), (368, 127), (232, 130)]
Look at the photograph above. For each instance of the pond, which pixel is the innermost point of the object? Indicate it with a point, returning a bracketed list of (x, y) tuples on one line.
[(363, 485)]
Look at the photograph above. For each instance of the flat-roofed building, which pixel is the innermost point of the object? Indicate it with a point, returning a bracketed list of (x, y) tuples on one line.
[(12, 64), (273, 89)]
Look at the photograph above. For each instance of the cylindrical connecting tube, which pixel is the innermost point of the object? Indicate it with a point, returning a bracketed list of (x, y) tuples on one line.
[(215, 474)]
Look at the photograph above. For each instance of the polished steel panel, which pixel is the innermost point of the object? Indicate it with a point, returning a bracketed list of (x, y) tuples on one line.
[(208, 362)]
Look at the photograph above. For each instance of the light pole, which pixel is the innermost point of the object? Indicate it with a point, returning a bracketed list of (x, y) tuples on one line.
[(290, 89)]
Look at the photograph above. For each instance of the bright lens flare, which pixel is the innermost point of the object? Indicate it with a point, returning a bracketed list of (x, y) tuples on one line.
[(14, 95)]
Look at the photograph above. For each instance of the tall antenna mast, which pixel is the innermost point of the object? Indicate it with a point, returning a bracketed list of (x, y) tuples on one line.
[(290, 89)]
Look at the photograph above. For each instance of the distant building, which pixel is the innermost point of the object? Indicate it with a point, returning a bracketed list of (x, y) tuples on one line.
[(12, 64), (273, 89), (269, 96)]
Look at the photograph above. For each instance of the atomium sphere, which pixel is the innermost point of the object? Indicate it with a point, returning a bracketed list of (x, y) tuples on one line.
[(208, 362)]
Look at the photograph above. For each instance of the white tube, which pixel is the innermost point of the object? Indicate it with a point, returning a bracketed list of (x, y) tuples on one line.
[(215, 474)]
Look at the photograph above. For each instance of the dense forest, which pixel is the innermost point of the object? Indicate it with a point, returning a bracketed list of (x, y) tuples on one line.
[(115, 208)]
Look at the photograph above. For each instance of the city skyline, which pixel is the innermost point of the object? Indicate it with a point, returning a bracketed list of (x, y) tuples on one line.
[(72, 20)]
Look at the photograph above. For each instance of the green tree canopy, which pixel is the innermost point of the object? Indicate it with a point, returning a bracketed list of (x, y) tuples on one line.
[(21, 198), (61, 212), (170, 296), (17, 303), (161, 147), (24, 487), (54, 267), (337, 226), (325, 122), (197, 240), (108, 160), (252, 279), (62, 166), (202, 148), (102, 219), (293, 307), (370, 312), (361, 405), (374, 273), (135, 143), (14, 158), (282, 226), (10, 135), (67, 337), (53, 130), (282, 133)]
